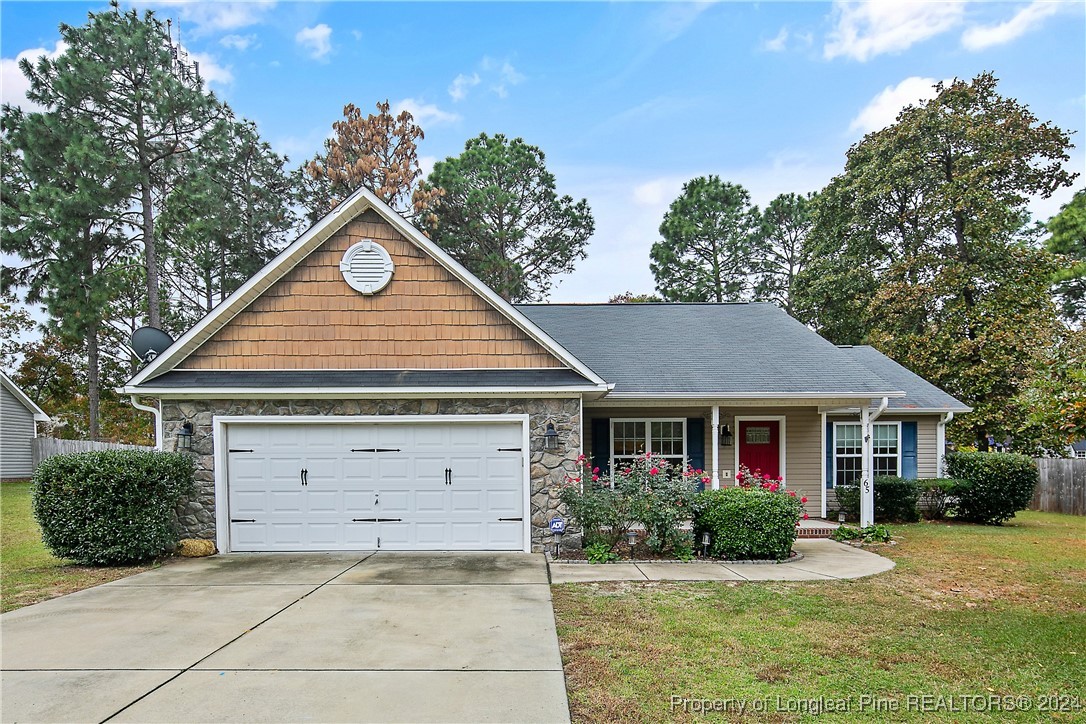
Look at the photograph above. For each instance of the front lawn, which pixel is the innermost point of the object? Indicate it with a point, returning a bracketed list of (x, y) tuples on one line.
[(28, 572), (969, 610)]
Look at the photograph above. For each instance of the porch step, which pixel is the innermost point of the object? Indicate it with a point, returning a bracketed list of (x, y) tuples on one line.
[(815, 532)]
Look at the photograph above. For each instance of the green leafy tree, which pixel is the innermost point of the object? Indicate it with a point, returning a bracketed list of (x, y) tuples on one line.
[(708, 250), (1068, 239), (378, 152), (227, 214), (501, 217), (121, 76), (631, 298), (782, 244), (14, 323), (61, 221), (1053, 400), (924, 249)]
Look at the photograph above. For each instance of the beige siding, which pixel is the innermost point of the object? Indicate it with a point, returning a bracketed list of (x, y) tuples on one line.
[(927, 454), (424, 319), (802, 442)]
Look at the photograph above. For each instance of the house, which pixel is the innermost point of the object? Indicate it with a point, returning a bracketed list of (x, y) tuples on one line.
[(19, 418), (365, 391)]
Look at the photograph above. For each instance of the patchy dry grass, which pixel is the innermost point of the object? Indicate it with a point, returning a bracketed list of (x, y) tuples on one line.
[(28, 571), (969, 610)]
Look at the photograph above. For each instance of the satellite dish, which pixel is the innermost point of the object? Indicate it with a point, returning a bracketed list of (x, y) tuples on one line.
[(150, 342)]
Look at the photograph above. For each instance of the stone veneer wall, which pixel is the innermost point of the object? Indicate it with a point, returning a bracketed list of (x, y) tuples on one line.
[(548, 470)]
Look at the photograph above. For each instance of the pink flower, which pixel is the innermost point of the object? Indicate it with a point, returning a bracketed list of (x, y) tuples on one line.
[(803, 499), (595, 478), (596, 470), (792, 493), (774, 487), (654, 471), (765, 477), (705, 480), (739, 476), (580, 458), (805, 516), (780, 479)]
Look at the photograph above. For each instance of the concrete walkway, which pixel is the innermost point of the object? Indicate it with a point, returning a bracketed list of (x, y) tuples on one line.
[(285, 637), (823, 560)]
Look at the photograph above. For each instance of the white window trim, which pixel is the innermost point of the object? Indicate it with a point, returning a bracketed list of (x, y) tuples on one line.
[(833, 446), (782, 420), (648, 436)]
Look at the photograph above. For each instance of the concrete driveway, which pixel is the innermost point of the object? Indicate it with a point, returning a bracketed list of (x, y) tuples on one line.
[(286, 637)]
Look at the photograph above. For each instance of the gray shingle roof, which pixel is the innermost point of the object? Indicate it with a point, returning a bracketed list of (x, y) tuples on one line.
[(919, 393), (514, 378), (703, 349)]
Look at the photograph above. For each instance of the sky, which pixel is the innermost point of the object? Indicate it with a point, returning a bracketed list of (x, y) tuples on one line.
[(627, 100)]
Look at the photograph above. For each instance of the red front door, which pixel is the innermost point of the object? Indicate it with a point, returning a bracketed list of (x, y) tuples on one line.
[(760, 446)]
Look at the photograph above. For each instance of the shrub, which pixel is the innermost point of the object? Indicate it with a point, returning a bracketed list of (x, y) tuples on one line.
[(113, 506), (748, 523), (992, 487), (935, 494), (895, 499), (661, 497), (602, 514), (870, 534), (600, 553)]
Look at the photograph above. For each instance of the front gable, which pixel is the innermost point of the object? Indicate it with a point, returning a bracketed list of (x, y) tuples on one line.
[(299, 313), (425, 318)]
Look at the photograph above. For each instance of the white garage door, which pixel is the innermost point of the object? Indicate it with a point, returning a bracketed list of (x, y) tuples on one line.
[(364, 486)]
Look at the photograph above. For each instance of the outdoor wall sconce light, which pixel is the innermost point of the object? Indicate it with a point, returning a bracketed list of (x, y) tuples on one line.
[(726, 438), (184, 437), (550, 437)]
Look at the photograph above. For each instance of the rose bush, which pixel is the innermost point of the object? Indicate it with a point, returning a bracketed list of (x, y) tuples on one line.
[(756, 519)]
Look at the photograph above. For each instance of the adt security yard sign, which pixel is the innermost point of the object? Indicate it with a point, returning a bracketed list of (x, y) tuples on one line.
[(558, 526)]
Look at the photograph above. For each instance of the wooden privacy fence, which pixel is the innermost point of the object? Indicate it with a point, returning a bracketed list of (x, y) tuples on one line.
[(46, 447), (1062, 488)]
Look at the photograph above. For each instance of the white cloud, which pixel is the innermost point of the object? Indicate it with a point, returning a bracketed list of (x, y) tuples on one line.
[(238, 42), (778, 43), (201, 18), (357, 35), (424, 113), (317, 41), (458, 89), (1028, 18), (211, 71), (506, 77), (13, 84), (863, 30), (882, 110)]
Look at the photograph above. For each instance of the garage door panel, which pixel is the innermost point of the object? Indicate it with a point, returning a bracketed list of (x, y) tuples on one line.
[(407, 484)]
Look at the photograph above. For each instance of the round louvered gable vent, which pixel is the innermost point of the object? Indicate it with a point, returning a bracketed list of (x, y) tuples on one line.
[(367, 267)]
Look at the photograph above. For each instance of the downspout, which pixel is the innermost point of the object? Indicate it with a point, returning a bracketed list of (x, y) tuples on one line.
[(158, 419), (940, 444)]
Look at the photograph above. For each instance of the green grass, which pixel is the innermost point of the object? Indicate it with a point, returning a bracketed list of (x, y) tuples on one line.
[(28, 571), (968, 610)]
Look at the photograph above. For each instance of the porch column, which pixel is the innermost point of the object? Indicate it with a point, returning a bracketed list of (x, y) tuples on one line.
[(716, 447), (867, 462), (940, 444)]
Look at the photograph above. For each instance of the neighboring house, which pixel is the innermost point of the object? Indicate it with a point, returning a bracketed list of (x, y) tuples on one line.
[(365, 391), (1078, 449), (19, 418)]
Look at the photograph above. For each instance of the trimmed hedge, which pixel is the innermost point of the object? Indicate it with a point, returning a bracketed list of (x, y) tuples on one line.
[(747, 523), (111, 507), (993, 486), (937, 495), (895, 499)]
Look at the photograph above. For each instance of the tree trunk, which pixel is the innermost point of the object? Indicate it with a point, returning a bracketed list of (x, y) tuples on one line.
[(150, 254), (93, 396)]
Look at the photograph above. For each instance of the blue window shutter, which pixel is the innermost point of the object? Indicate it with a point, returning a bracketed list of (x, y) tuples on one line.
[(829, 454), (908, 450), (695, 444), (601, 443)]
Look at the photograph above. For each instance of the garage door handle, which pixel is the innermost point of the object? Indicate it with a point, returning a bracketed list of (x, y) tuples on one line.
[(243, 520), (304, 476), (376, 520), (375, 449), (448, 476), (502, 520)]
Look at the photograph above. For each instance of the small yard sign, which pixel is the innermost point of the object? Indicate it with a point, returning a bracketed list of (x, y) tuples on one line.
[(558, 525)]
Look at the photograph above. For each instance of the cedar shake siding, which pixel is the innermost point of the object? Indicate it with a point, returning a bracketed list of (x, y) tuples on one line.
[(424, 319)]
